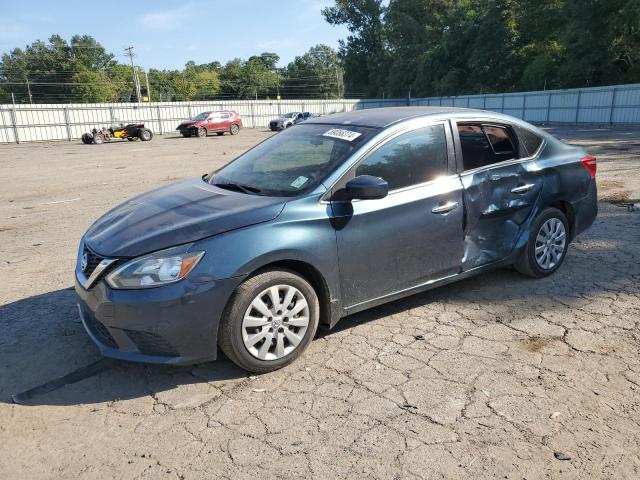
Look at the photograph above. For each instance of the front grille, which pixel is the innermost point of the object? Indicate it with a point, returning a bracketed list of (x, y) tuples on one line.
[(99, 330), (93, 261), (151, 344)]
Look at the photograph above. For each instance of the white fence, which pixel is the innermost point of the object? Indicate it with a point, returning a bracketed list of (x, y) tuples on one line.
[(614, 105)]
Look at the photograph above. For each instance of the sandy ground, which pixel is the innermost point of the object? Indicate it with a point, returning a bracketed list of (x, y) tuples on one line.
[(493, 377)]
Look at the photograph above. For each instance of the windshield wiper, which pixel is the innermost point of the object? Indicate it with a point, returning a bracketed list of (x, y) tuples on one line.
[(238, 188)]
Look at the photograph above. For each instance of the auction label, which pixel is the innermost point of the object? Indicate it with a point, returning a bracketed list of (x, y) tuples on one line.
[(347, 135)]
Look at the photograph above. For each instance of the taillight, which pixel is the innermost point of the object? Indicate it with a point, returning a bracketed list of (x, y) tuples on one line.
[(589, 163)]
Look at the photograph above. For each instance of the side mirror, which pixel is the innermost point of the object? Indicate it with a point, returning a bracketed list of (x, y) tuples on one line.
[(367, 187)]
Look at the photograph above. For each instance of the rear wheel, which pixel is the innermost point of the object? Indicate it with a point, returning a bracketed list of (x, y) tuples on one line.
[(145, 134), (234, 129), (202, 132), (270, 320), (547, 246)]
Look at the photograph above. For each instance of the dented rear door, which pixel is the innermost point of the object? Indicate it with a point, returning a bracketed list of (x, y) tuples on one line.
[(498, 199)]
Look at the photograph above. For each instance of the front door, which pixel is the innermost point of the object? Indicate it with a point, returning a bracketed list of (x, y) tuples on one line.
[(500, 191), (410, 237)]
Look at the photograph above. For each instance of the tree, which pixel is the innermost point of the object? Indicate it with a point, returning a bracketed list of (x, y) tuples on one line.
[(363, 52), (318, 73)]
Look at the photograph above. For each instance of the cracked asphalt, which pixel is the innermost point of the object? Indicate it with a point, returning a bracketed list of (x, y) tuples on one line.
[(497, 376)]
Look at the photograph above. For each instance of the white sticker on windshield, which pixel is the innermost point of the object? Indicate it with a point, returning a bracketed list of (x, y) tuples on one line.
[(347, 135), (299, 182)]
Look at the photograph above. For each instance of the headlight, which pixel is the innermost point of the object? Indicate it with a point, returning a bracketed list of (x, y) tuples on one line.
[(160, 268)]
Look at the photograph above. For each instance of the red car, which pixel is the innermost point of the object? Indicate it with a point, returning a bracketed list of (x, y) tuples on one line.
[(219, 122)]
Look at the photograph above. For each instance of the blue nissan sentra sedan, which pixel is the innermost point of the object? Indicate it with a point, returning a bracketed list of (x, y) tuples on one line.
[(333, 216)]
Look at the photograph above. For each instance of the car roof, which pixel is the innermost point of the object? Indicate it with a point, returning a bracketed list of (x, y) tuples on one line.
[(383, 117)]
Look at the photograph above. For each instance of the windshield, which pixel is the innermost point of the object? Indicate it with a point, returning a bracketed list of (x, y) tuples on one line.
[(200, 117), (294, 161), (289, 115)]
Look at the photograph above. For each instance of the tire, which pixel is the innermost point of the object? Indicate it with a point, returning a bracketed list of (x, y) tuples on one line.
[(87, 138), (145, 134), (549, 235), (234, 129), (237, 331), (220, 134), (98, 138), (202, 132)]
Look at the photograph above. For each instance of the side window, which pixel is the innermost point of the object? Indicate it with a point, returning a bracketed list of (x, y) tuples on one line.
[(501, 142), (409, 159), (530, 140), (214, 116), (224, 115), (484, 145)]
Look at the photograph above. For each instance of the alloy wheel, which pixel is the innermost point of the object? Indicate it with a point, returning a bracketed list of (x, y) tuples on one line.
[(550, 243), (275, 322)]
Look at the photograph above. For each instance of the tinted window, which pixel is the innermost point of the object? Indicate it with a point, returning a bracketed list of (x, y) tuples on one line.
[(484, 145), (530, 140), (476, 150), (500, 141), (409, 159)]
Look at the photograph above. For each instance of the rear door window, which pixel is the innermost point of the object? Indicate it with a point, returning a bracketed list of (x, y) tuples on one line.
[(412, 158), (484, 145)]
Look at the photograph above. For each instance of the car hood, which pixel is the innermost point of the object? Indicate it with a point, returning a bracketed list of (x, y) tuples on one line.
[(188, 123), (176, 214)]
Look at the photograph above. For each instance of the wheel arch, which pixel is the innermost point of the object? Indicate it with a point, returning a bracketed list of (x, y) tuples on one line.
[(569, 212), (312, 275)]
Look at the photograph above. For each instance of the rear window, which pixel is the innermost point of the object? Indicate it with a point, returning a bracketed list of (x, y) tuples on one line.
[(530, 140)]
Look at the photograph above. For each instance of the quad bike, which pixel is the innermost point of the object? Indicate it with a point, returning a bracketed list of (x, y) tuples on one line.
[(132, 131)]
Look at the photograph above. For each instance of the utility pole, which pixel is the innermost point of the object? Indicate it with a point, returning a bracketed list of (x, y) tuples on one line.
[(146, 77), (136, 82), (29, 90)]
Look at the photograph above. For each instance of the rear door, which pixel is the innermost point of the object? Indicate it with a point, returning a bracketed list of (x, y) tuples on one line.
[(501, 183), (225, 121), (214, 121), (410, 237)]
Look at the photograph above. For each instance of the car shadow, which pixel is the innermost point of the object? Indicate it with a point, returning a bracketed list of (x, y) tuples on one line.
[(42, 339), (44, 345)]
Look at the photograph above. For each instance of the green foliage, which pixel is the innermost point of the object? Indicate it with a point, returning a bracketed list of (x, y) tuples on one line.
[(449, 47), (318, 74)]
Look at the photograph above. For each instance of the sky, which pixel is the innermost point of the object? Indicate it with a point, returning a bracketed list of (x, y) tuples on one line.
[(167, 34)]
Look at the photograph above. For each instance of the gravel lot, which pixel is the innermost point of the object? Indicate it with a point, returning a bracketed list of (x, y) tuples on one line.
[(493, 377)]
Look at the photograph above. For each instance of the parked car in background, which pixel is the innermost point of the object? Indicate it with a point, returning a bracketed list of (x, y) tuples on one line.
[(337, 215), (306, 116), (284, 121), (289, 119), (219, 122)]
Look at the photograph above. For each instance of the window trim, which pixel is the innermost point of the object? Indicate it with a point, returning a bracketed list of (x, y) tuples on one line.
[(388, 134), (487, 121)]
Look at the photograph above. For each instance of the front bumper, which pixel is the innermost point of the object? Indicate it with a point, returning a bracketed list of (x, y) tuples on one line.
[(175, 324)]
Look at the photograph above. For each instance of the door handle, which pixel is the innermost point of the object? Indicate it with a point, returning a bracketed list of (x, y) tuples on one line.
[(445, 208), (523, 188)]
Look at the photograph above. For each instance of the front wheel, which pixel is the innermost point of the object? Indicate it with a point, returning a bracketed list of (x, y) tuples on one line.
[(547, 246), (234, 129), (202, 132), (98, 138), (269, 321)]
